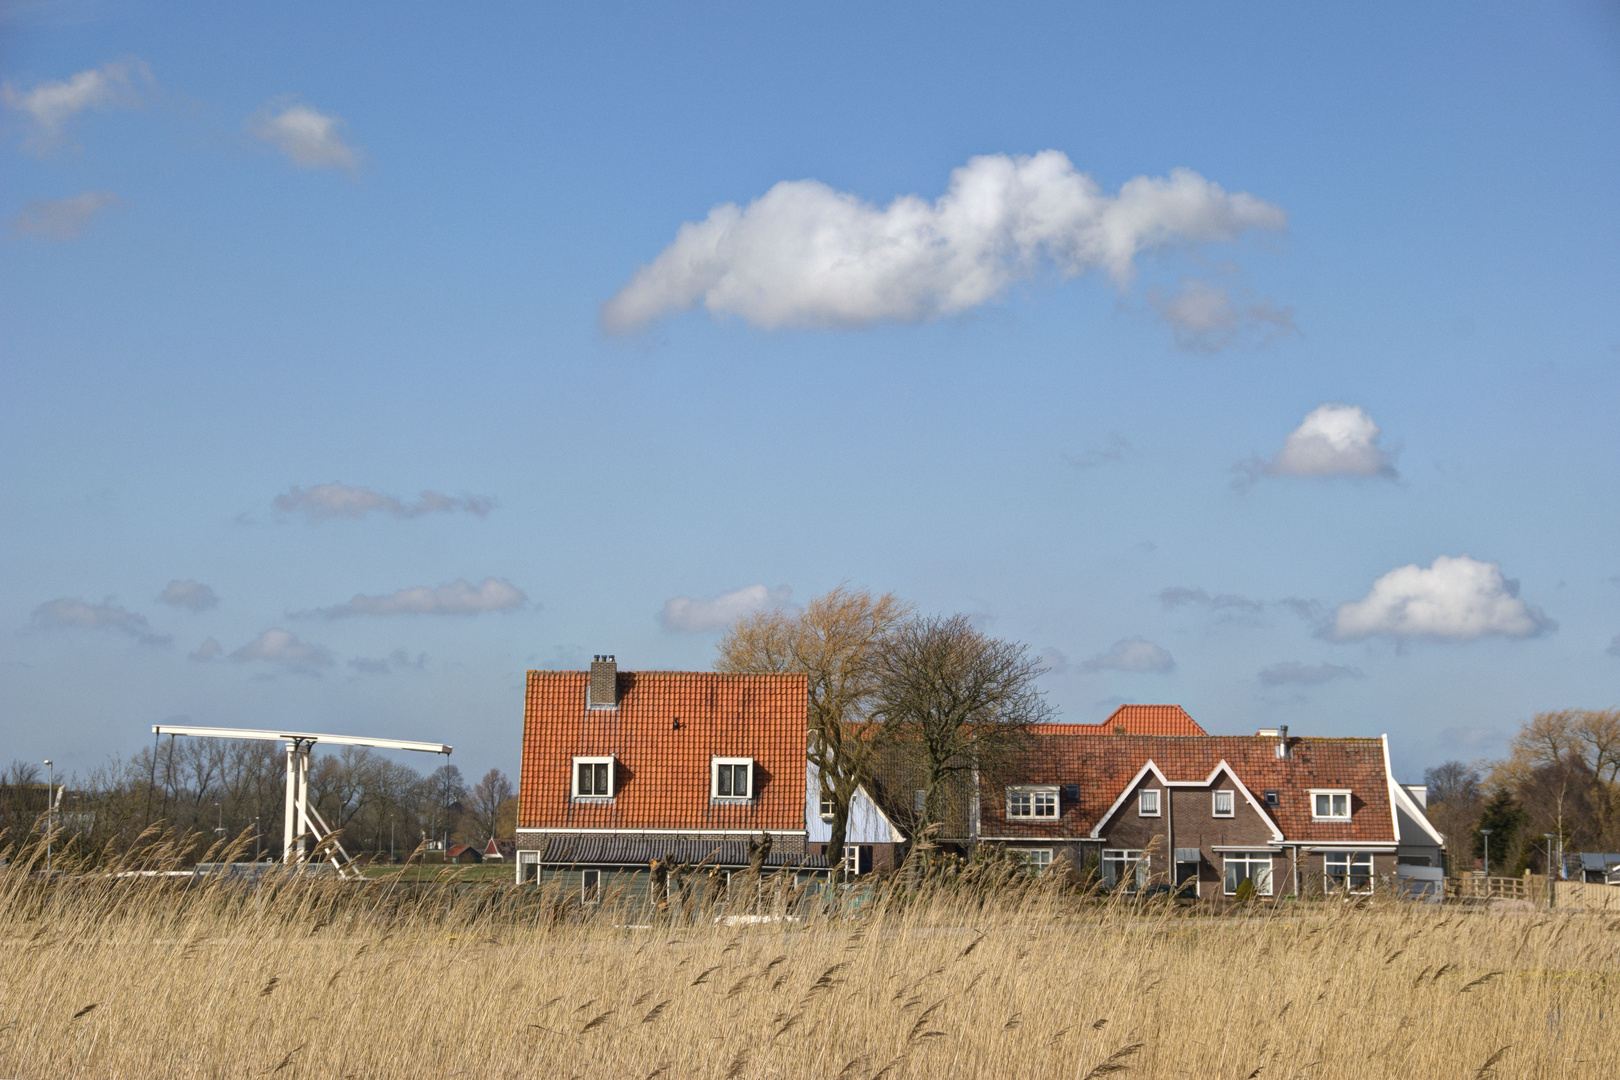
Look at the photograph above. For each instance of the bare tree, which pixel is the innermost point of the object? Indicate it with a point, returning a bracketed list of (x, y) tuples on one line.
[(837, 643), (486, 801), (958, 701)]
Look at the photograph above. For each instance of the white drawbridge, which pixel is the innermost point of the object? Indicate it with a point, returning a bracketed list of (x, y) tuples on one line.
[(301, 821)]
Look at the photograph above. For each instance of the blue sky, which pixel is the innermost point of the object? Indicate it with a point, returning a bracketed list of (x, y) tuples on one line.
[(272, 272)]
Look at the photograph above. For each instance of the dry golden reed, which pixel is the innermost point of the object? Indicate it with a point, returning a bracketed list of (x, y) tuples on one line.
[(110, 976)]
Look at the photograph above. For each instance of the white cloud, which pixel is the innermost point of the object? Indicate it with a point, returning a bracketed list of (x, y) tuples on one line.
[(52, 104), (805, 255), (1114, 451), (1054, 661), (284, 650), (336, 500), (1131, 654), (1332, 440), (687, 615), (1455, 599), (395, 661), (1614, 646), (67, 613), (1181, 596), (1293, 673), (61, 219), (188, 594), (208, 650), (311, 138), (1206, 319), (459, 597)]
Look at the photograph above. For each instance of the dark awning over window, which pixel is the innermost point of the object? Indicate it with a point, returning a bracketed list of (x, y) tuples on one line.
[(1188, 854)]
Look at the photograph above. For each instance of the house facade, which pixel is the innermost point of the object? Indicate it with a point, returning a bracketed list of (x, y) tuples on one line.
[(624, 772)]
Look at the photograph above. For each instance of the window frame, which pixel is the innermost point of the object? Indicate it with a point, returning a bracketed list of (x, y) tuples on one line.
[(714, 779), (1036, 860), (1345, 880), (824, 808), (1250, 859), (612, 779), (1035, 796), (590, 886), (1273, 798), (1142, 801), (1215, 803), (1330, 794), (1132, 858)]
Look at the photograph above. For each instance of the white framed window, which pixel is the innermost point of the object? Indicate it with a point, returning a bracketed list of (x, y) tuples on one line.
[(1224, 805), (593, 778), (590, 886), (731, 779), (1035, 860), (1330, 804), (852, 861), (1244, 866), (1124, 868), (1030, 801), (1147, 802), (1347, 871), (826, 809), (528, 866)]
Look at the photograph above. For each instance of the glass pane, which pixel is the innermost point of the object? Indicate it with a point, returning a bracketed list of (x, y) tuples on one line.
[(739, 783), (584, 779), (1341, 806), (1262, 877), (1234, 874), (1322, 805), (602, 779), (723, 783)]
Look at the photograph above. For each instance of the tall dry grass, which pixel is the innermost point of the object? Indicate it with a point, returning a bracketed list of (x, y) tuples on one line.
[(122, 977)]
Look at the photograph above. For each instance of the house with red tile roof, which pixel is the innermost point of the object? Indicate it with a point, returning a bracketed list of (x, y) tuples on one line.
[(622, 769)]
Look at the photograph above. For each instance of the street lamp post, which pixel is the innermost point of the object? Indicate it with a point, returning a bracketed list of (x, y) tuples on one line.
[(50, 786), (1486, 833)]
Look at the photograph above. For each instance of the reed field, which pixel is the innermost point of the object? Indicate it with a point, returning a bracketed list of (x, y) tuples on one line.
[(961, 976)]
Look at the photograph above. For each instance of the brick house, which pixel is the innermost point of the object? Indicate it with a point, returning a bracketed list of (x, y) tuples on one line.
[(624, 768), (1296, 816)]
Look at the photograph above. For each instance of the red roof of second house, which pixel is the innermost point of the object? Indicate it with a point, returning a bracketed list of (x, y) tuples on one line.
[(1135, 719), (662, 770)]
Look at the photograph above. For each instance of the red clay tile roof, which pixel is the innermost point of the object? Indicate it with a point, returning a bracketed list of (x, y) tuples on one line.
[(1135, 719), (663, 772), (1102, 767)]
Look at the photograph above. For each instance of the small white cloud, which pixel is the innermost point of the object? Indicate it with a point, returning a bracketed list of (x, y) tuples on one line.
[(459, 597), (1614, 646), (398, 660), (284, 650), (1180, 596), (1131, 654), (67, 613), (207, 651), (334, 500), (52, 104), (310, 138), (1455, 599), (1333, 440), (61, 219), (686, 615), (1293, 673), (1114, 451), (1054, 661), (1205, 317), (805, 255), (188, 594)]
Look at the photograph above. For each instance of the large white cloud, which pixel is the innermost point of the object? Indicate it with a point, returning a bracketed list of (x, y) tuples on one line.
[(459, 597), (1332, 440), (336, 500), (688, 615), (1456, 599), (310, 138), (1131, 654), (61, 219), (805, 255), (69, 613), (52, 104), (281, 648)]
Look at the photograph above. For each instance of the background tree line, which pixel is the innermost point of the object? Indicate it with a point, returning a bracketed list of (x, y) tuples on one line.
[(1561, 776), (219, 787), (924, 702)]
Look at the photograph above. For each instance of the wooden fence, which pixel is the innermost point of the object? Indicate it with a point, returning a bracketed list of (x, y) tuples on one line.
[(1587, 896), (1567, 895)]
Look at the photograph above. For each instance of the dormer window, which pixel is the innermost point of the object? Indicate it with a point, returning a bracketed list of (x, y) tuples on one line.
[(731, 779), (1029, 801), (593, 778), (1330, 805), (1224, 804)]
